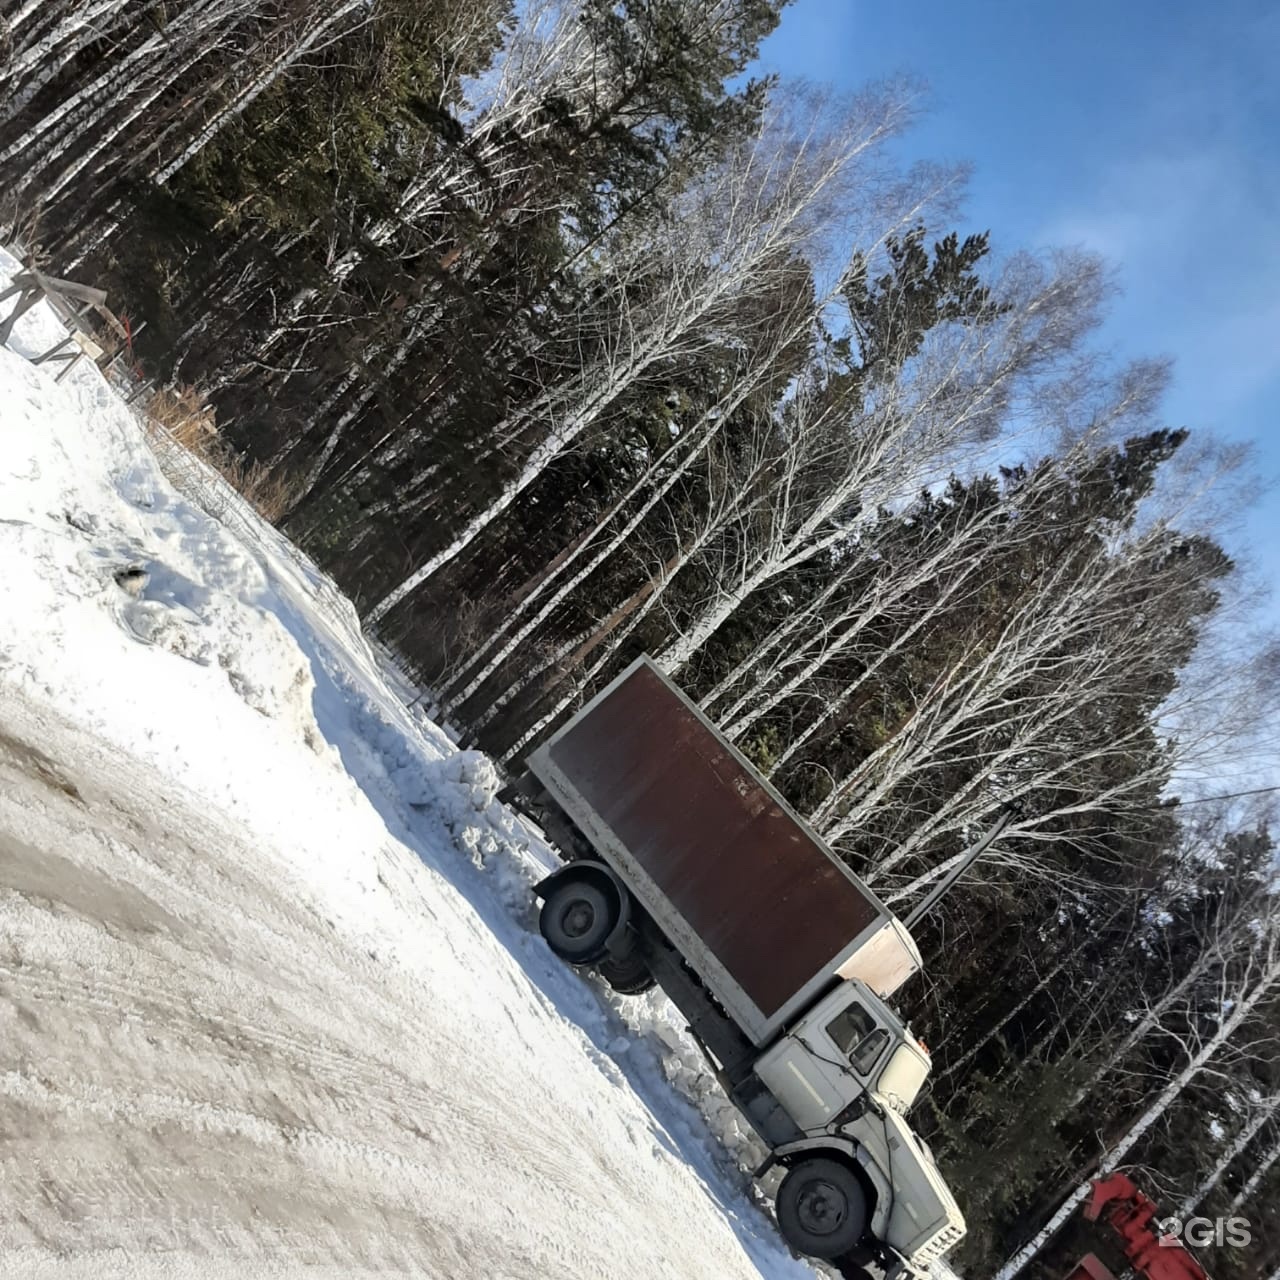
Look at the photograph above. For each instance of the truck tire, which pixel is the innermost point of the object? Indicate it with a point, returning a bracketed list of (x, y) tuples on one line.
[(822, 1208), (577, 918), (628, 977)]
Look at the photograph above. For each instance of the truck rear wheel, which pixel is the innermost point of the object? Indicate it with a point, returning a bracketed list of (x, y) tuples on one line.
[(822, 1208), (577, 917), (628, 977)]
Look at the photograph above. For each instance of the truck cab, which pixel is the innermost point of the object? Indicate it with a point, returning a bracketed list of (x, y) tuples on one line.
[(845, 1073), (847, 1046)]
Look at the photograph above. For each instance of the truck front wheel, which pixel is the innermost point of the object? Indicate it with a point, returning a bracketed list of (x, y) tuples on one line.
[(577, 918), (822, 1208)]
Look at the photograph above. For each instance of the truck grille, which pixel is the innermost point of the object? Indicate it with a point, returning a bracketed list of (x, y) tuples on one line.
[(949, 1235)]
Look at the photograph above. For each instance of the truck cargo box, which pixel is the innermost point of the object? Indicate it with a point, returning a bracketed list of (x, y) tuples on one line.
[(757, 904)]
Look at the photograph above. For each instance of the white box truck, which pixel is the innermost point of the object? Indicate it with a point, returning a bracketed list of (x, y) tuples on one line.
[(685, 868)]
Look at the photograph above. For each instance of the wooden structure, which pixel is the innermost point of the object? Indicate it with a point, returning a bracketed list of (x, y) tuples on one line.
[(73, 303)]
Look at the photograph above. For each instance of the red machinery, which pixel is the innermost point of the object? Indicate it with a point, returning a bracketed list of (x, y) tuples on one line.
[(1132, 1216)]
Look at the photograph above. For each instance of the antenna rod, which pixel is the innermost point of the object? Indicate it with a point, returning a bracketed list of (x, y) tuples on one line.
[(971, 855)]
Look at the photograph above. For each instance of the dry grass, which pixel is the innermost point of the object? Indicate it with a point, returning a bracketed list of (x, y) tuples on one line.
[(181, 416), (271, 493)]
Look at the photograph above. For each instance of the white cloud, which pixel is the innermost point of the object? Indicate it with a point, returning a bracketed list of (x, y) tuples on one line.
[(1193, 233)]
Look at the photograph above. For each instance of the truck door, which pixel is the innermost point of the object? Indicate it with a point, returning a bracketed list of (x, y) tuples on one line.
[(822, 1065), (857, 1038)]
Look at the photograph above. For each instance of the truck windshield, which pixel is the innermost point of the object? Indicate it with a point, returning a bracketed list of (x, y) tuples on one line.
[(855, 1032)]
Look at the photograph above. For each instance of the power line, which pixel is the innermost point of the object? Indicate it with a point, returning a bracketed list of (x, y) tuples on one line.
[(1233, 795)]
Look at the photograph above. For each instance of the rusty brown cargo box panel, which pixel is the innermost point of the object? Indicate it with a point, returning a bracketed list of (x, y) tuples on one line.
[(757, 903)]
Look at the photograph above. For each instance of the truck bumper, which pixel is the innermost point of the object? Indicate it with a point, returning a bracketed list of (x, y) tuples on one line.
[(899, 1268)]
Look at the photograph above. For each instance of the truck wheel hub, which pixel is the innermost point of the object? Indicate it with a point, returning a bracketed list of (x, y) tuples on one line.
[(821, 1208), (578, 919)]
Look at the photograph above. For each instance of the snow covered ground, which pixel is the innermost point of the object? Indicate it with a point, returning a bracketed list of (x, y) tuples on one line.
[(271, 994)]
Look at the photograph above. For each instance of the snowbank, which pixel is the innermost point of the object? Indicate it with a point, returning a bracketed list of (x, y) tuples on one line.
[(233, 598)]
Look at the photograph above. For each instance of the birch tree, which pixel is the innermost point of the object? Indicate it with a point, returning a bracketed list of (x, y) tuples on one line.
[(761, 205), (611, 533), (799, 317), (117, 108), (850, 444), (1251, 1184), (1241, 992), (843, 436), (590, 113), (1202, 919), (1084, 629), (838, 450), (1260, 1113)]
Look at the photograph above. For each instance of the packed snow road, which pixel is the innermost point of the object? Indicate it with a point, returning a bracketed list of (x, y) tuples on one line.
[(195, 1065), (191, 1063), (272, 999)]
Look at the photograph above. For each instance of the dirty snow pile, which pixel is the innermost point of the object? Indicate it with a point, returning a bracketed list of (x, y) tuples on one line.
[(272, 999)]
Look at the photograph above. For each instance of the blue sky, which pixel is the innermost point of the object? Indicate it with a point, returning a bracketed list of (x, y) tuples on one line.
[(1147, 131)]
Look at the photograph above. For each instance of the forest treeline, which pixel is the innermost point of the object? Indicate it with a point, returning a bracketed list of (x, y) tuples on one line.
[(569, 340)]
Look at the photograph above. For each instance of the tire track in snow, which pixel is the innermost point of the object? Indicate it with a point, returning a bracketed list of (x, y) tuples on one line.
[(196, 1064)]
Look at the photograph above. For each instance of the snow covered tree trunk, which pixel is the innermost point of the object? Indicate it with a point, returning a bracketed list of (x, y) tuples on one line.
[(608, 638), (1209, 957), (305, 42), (503, 641), (37, 63), (702, 435), (914, 431), (121, 122), (800, 531), (849, 628), (761, 662), (1048, 642), (982, 1042), (1256, 1178)]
